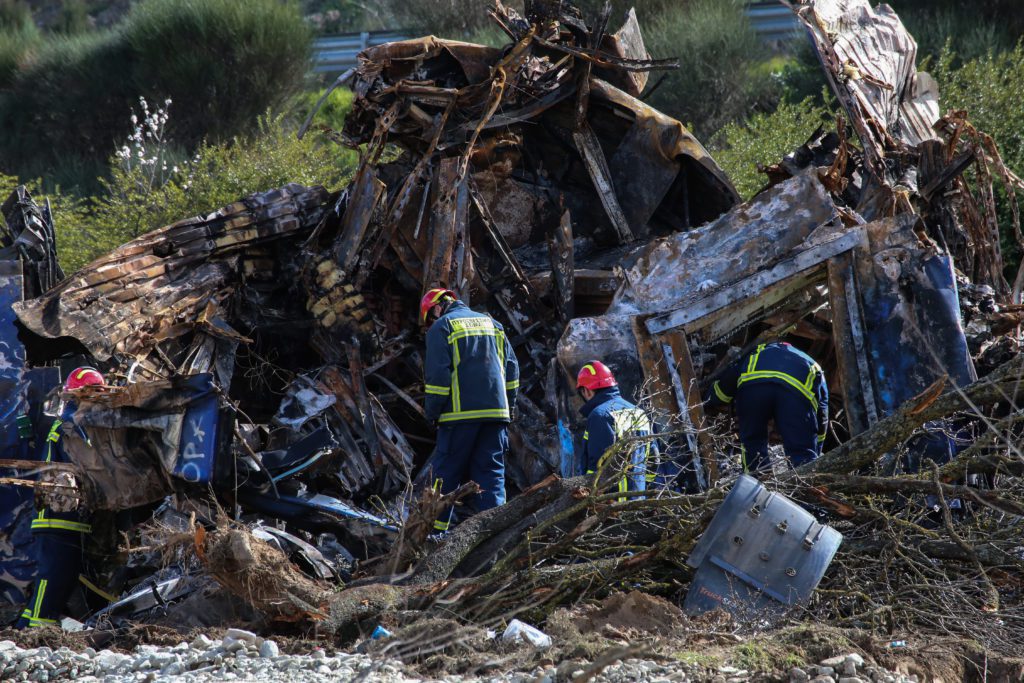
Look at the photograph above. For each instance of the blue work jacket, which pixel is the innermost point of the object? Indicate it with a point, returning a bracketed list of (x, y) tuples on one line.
[(46, 519), (778, 363), (471, 371), (610, 418)]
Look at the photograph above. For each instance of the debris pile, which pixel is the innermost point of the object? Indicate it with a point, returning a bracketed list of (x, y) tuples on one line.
[(266, 415)]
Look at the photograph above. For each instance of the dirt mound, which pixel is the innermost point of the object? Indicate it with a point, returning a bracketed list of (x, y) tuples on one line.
[(633, 611)]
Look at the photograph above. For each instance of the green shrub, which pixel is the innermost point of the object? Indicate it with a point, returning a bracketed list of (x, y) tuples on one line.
[(719, 79), (228, 60), (139, 197), (331, 113), (991, 90), (224, 61), (764, 139), (73, 18), (65, 107)]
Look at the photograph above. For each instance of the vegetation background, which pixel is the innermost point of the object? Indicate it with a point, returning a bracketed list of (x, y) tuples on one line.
[(130, 114)]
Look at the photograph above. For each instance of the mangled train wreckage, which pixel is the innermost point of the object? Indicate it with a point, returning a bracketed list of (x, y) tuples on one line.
[(265, 356)]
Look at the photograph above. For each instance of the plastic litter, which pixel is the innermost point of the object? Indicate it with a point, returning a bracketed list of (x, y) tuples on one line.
[(518, 630)]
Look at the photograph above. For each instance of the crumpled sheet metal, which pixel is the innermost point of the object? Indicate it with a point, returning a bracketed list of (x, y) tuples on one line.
[(871, 59), (670, 271), (155, 286), (656, 164), (137, 439)]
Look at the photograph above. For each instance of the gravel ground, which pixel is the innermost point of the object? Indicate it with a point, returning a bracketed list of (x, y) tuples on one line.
[(243, 656)]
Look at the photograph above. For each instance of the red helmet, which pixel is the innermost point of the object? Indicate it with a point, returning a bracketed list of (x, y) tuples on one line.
[(431, 299), (595, 375), (82, 377)]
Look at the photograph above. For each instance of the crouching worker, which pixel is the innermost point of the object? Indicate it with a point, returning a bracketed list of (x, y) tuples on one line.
[(611, 418), (471, 378), (775, 382), (59, 533)]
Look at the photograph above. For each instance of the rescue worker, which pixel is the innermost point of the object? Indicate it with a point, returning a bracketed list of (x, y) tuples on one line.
[(59, 535), (472, 378), (775, 382), (610, 418)]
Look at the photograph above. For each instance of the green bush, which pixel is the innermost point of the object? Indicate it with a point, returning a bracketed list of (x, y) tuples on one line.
[(331, 113), (719, 79), (228, 60), (65, 107), (224, 61), (764, 139), (139, 197), (991, 90), (18, 37)]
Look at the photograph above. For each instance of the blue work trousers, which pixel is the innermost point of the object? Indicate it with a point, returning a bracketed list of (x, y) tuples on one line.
[(58, 564), (470, 451), (757, 403)]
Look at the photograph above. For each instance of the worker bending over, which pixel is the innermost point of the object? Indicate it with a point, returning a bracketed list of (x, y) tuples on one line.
[(611, 418), (471, 378), (781, 383)]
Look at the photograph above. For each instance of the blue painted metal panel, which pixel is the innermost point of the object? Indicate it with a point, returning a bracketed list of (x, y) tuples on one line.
[(22, 431), (761, 554), (201, 432), (913, 332), (12, 361)]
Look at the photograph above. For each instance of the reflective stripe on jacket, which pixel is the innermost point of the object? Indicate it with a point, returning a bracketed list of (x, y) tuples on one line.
[(778, 363), (47, 520), (610, 418), (471, 372)]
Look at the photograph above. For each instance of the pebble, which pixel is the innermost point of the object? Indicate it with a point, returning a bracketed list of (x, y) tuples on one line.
[(244, 656)]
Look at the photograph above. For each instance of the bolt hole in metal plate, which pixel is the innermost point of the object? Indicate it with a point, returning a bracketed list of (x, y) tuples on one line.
[(761, 564)]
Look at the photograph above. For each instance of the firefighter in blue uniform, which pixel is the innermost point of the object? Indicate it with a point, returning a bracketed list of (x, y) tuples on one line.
[(58, 535), (610, 418), (471, 381), (776, 382)]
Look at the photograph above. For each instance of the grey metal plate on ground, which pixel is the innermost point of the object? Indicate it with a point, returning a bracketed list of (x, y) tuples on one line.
[(761, 553)]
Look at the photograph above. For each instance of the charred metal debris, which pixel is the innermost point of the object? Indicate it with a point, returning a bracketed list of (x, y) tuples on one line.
[(266, 357)]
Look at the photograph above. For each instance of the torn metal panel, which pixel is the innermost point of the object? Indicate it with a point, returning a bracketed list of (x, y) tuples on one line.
[(759, 292), (912, 326), (138, 436), (671, 272), (862, 409), (157, 284), (27, 234), (447, 226), (627, 43), (870, 61)]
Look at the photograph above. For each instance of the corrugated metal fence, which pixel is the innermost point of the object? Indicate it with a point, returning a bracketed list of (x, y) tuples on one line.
[(335, 54)]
